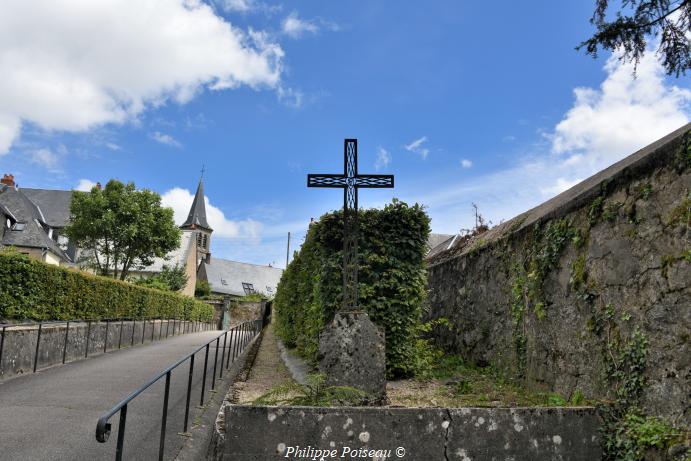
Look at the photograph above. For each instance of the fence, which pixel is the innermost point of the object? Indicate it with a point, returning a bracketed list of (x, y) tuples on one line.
[(240, 337), (80, 338)]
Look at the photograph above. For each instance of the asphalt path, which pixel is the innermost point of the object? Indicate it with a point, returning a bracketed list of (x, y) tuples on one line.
[(52, 414)]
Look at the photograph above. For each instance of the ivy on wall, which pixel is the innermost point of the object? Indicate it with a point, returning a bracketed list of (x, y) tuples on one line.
[(392, 244), (31, 289)]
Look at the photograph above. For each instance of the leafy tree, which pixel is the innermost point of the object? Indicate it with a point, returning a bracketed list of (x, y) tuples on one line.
[(121, 228), (202, 289), (169, 279), (670, 20)]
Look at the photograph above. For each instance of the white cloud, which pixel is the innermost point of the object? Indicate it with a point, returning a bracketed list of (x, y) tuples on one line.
[(383, 159), (465, 163), (295, 27), (622, 116), (112, 146), (45, 158), (85, 185), (290, 97), (237, 5), (604, 125), (180, 200), (416, 147), (74, 65), (166, 139), (248, 6)]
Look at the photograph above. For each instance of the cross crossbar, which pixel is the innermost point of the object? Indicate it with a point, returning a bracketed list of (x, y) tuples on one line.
[(350, 181)]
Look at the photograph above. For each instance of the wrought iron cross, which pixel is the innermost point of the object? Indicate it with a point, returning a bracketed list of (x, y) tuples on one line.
[(350, 181)]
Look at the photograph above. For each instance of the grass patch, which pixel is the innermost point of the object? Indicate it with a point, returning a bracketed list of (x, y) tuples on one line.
[(453, 383)]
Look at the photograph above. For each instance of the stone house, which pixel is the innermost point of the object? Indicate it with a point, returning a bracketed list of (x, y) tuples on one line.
[(33, 222)]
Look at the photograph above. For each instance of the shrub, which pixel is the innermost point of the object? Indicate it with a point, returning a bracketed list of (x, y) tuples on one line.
[(391, 285), (30, 289)]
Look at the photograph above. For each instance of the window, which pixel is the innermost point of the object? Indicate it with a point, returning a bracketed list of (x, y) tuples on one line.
[(269, 289), (19, 226), (199, 239), (204, 241), (248, 287), (223, 282)]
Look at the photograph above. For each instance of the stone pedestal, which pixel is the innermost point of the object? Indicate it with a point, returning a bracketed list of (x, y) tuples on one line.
[(352, 352)]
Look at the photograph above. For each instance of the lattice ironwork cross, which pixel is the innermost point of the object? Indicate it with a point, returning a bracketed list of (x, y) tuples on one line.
[(350, 181)]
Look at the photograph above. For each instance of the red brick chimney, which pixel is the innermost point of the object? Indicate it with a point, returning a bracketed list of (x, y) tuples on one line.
[(8, 180)]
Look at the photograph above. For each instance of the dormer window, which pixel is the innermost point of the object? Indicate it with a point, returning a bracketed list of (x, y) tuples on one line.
[(19, 226), (248, 287)]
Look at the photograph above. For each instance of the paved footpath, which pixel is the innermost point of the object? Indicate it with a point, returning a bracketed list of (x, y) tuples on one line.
[(52, 414)]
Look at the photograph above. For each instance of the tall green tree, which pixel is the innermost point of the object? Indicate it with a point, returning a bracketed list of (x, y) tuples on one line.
[(121, 228), (629, 27)]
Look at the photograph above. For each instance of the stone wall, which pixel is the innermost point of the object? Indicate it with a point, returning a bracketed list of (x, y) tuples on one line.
[(415, 434), (242, 311), (559, 295), (18, 350)]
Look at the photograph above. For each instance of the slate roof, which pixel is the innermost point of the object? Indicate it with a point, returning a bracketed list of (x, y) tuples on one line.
[(179, 256), (55, 204), (24, 210), (197, 215), (434, 240), (227, 277)]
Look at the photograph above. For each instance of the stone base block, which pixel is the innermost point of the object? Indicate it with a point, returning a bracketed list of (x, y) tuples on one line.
[(352, 352)]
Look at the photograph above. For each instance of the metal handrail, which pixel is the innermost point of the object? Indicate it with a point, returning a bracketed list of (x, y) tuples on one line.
[(248, 331), (196, 325)]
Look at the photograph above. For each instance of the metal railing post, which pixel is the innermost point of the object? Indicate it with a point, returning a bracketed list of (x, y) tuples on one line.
[(134, 325), (167, 326), (143, 329), (121, 433), (2, 344), (235, 342), (153, 328), (189, 392), (105, 343), (230, 347), (38, 343), (213, 381), (223, 355), (64, 350), (122, 322), (206, 361), (174, 326), (88, 336), (164, 419)]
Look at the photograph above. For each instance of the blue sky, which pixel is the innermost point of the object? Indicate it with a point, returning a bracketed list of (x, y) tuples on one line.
[(463, 101)]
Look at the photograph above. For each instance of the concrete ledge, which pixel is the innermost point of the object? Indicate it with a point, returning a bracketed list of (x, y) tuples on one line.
[(19, 345), (266, 433)]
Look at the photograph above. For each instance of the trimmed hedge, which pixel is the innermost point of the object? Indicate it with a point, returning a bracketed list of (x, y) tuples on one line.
[(391, 284), (31, 289)]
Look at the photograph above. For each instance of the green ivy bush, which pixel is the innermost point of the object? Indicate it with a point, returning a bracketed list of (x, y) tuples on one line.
[(33, 290), (391, 287)]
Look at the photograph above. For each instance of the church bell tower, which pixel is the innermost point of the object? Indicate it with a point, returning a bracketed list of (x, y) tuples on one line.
[(196, 222)]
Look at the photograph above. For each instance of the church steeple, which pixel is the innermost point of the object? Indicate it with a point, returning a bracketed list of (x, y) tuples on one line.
[(196, 222), (197, 215)]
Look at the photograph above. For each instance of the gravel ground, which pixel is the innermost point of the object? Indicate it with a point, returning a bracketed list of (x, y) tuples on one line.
[(268, 370)]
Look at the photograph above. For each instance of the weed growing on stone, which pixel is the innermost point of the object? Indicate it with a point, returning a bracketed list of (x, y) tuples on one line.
[(314, 393)]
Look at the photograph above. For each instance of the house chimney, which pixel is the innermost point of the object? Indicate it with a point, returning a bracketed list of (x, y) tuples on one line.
[(98, 185), (8, 180)]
